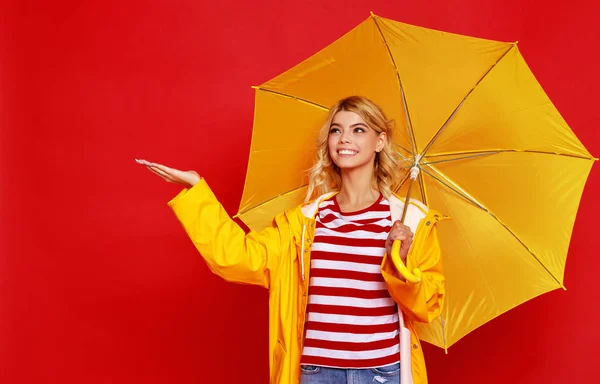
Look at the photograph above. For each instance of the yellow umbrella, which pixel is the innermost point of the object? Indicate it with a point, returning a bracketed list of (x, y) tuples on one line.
[(493, 153)]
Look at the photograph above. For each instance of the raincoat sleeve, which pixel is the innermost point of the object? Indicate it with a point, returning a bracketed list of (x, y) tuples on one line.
[(228, 251), (420, 301)]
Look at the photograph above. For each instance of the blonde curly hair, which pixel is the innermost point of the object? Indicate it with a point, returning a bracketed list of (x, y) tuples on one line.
[(324, 176)]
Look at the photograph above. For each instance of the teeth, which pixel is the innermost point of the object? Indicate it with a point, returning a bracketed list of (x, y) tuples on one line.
[(346, 152)]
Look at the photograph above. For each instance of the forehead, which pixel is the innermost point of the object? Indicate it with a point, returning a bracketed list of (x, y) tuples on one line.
[(347, 118)]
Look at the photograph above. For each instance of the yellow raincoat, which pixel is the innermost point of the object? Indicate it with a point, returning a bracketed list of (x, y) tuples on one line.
[(278, 258)]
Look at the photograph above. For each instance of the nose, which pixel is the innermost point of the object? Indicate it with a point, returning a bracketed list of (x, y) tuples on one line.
[(344, 138)]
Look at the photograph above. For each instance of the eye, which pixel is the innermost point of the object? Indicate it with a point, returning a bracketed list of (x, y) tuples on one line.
[(334, 130), (359, 129)]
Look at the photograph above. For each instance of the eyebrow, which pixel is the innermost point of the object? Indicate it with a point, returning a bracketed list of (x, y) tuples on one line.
[(351, 126)]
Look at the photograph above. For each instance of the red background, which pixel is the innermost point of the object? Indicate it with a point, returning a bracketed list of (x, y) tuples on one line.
[(98, 282)]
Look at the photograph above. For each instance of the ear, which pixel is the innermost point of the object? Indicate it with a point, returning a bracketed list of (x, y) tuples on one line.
[(381, 140)]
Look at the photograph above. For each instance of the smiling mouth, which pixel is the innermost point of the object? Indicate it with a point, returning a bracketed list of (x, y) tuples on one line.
[(347, 152)]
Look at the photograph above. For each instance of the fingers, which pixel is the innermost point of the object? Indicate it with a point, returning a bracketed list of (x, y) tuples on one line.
[(161, 170), (160, 173), (398, 225), (401, 232), (145, 162), (171, 173), (165, 169)]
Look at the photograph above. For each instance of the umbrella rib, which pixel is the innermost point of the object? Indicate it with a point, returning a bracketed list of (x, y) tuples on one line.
[(461, 192), (258, 88), (406, 160), (411, 132), (401, 147), (482, 274), (422, 188), (403, 158), (491, 293), (459, 158), (496, 151), (454, 188), (439, 132), (401, 183), (271, 199)]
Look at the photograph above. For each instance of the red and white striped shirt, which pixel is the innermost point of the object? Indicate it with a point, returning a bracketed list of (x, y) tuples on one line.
[(352, 322)]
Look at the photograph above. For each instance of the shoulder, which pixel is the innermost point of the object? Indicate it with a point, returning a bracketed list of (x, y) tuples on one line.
[(311, 208), (415, 212), (415, 206), (297, 216), (416, 209)]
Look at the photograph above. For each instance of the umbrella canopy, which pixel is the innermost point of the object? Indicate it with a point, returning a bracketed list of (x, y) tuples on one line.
[(493, 151)]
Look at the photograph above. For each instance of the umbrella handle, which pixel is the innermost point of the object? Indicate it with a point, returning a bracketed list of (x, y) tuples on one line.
[(414, 277)]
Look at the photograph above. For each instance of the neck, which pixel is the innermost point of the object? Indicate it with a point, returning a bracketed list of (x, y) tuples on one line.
[(357, 189)]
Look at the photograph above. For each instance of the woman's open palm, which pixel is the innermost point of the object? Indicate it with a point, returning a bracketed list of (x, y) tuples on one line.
[(172, 175)]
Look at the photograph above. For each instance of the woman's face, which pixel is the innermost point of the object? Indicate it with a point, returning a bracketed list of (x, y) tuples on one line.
[(352, 143)]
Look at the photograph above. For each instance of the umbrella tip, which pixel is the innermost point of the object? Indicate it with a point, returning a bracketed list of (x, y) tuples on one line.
[(372, 14), (563, 287), (254, 87), (516, 42)]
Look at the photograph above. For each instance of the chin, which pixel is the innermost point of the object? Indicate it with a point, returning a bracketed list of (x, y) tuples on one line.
[(350, 164)]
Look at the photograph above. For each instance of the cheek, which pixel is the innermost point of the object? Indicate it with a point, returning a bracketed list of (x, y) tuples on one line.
[(372, 143), (331, 144)]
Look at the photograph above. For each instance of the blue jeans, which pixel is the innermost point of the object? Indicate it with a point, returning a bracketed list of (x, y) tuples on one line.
[(313, 374)]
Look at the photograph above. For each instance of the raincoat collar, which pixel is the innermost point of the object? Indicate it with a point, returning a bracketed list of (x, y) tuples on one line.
[(310, 210)]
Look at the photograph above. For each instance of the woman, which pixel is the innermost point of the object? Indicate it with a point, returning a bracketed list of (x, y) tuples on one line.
[(339, 311)]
